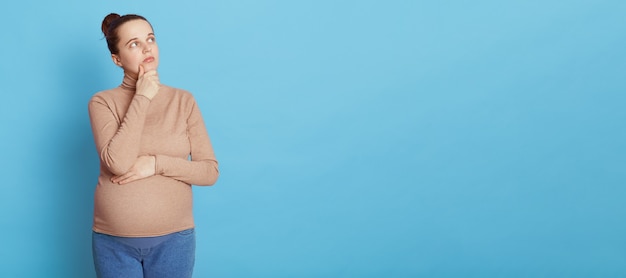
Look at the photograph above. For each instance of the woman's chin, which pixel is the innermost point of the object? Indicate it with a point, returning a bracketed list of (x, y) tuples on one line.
[(150, 66)]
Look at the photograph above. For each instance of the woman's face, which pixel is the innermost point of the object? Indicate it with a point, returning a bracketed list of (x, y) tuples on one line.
[(137, 46)]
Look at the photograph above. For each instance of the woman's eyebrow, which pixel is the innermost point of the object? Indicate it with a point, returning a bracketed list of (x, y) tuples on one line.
[(149, 34), (130, 41)]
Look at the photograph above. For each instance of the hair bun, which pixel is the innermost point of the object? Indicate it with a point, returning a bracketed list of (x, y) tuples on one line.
[(107, 22)]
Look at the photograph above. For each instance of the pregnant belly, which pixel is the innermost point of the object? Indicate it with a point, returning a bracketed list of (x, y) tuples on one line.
[(145, 207)]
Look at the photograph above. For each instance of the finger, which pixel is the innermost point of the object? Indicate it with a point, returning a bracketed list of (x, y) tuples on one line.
[(120, 179), (128, 179), (117, 179), (141, 71), (154, 79), (114, 179), (150, 73)]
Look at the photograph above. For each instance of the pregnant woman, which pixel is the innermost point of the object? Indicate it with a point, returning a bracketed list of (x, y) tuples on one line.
[(153, 145)]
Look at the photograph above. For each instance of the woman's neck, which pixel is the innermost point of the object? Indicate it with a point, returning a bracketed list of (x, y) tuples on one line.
[(130, 81)]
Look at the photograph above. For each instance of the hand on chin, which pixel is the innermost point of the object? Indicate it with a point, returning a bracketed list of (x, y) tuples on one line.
[(149, 66)]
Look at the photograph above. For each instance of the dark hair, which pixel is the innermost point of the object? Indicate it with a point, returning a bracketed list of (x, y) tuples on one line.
[(109, 27)]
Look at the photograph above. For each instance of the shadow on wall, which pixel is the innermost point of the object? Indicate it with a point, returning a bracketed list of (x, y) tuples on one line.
[(81, 75)]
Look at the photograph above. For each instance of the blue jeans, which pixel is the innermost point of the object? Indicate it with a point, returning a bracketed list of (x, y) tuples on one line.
[(173, 257)]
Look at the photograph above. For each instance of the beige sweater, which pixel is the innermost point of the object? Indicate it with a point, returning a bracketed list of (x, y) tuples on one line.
[(170, 127)]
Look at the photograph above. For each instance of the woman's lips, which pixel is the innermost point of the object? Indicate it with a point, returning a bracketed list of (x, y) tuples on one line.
[(148, 60)]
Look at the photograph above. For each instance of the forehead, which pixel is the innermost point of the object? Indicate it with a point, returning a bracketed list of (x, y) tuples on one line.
[(134, 29)]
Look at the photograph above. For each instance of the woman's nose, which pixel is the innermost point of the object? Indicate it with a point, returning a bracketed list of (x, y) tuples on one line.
[(147, 49)]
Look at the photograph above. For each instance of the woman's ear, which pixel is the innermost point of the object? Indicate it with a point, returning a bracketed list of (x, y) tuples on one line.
[(116, 60)]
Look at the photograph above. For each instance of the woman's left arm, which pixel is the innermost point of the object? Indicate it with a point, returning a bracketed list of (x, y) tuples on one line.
[(202, 168)]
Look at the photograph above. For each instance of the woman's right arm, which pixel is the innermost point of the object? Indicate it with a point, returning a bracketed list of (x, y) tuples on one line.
[(118, 142)]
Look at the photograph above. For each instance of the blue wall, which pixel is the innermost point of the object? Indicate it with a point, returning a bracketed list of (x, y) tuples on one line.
[(355, 138)]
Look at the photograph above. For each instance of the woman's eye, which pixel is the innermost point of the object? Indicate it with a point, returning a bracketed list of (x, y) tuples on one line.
[(133, 44), (151, 39)]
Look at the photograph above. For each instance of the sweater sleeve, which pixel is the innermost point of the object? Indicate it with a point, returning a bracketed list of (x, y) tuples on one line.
[(118, 142), (202, 169)]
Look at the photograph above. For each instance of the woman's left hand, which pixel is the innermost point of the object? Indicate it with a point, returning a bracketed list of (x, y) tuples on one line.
[(144, 167)]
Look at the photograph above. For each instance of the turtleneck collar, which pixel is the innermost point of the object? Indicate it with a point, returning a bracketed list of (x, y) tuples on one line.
[(129, 82)]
